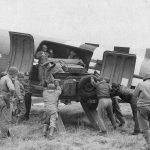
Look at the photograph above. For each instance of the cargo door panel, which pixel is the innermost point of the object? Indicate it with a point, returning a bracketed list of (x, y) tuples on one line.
[(118, 67), (21, 51)]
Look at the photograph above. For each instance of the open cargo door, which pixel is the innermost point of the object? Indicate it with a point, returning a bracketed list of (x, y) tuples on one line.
[(21, 51), (145, 66), (118, 67)]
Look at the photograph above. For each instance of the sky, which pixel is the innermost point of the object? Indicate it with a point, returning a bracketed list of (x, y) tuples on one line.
[(105, 22)]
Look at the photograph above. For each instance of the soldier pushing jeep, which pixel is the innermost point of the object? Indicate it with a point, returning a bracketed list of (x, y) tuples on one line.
[(51, 96)]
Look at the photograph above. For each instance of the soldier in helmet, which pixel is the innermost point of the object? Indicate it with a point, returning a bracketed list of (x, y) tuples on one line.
[(7, 90), (142, 92), (51, 97)]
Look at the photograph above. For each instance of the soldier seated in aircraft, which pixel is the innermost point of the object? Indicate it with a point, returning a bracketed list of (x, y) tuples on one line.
[(73, 55), (51, 53), (42, 56)]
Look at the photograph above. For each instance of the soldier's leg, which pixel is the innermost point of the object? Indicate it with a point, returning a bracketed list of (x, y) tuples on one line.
[(52, 126), (101, 113), (5, 119), (22, 111), (110, 114), (4, 130), (28, 101), (40, 75), (143, 115), (133, 104), (117, 111), (46, 117)]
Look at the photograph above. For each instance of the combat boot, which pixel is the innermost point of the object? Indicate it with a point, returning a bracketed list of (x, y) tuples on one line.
[(45, 130), (4, 133), (51, 133), (146, 135)]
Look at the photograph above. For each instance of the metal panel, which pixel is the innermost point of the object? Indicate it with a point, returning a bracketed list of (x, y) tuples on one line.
[(145, 66), (21, 51), (118, 67), (121, 49)]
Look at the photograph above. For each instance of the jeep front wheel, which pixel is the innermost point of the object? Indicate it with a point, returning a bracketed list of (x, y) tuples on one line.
[(85, 88)]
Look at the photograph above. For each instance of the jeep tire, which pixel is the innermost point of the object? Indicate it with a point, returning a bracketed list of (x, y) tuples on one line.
[(85, 88)]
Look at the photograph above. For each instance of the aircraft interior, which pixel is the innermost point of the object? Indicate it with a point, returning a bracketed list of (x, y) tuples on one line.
[(60, 51)]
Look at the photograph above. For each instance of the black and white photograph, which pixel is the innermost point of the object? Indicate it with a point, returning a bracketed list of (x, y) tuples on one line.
[(74, 74)]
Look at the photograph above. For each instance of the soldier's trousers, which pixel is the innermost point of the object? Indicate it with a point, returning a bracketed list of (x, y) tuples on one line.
[(105, 104), (117, 111), (144, 117), (21, 109), (28, 101), (51, 119), (133, 104), (5, 120), (144, 120), (40, 73)]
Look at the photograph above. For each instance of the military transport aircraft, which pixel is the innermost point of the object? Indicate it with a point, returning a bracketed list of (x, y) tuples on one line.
[(19, 49)]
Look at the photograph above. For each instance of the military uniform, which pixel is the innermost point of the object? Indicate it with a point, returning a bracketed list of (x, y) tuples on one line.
[(51, 106), (19, 99), (142, 92), (6, 90), (105, 103), (24, 79), (126, 94), (43, 57)]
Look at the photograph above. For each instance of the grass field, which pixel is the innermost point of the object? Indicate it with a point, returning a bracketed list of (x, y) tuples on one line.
[(80, 134)]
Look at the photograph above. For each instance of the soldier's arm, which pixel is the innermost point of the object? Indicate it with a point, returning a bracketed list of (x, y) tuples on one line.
[(59, 90), (10, 85), (18, 90), (137, 91), (11, 88), (93, 82)]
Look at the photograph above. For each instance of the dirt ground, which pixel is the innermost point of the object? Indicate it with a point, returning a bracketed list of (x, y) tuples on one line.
[(80, 134)]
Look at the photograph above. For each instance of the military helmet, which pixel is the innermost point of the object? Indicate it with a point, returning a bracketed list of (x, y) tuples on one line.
[(13, 70), (147, 76)]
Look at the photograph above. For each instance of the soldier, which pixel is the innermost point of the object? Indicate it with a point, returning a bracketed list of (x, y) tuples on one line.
[(126, 95), (42, 55), (51, 97), (73, 55), (51, 53), (105, 103), (19, 98), (7, 90), (142, 92), (24, 80)]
